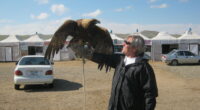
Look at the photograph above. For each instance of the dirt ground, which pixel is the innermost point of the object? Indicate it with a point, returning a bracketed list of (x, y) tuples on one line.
[(178, 88)]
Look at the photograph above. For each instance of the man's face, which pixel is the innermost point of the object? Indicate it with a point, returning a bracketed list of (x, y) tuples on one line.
[(127, 49)]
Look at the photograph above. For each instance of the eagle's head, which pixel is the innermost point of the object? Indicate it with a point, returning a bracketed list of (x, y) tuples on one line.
[(87, 23)]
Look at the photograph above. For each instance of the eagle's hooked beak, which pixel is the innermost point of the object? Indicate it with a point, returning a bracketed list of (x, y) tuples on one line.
[(93, 21), (97, 21)]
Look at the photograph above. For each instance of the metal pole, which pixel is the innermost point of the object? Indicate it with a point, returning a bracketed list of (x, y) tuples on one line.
[(83, 77)]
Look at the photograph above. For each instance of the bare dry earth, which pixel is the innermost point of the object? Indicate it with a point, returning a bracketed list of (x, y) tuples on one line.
[(178, 88)]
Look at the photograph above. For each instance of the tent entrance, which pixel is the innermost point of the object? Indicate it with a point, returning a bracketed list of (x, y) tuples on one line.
[(8, 52), (35, 50), (194, 48), (148, 48), (118, 48), (166, 48)]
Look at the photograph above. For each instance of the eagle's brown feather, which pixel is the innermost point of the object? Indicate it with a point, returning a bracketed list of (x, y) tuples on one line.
[(83, 31)]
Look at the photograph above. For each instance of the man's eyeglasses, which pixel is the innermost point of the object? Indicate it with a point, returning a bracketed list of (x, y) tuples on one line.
[(127, 43)]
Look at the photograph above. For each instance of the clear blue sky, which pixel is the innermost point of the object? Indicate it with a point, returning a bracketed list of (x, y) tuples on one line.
[(121, 16)]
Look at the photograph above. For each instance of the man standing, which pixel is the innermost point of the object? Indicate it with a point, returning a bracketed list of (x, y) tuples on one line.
[(134, 85)]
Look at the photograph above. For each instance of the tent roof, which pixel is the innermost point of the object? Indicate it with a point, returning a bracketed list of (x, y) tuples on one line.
[(11, 38), (48, 40), (163, 36), (34, 38), (113, 36), (189, 35), (68, 39)]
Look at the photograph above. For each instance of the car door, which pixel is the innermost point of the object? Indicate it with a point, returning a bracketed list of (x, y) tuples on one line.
[(190, 57), (181, 57)]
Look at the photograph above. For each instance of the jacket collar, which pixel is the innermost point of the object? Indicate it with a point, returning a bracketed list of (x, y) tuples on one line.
[(138, 60)]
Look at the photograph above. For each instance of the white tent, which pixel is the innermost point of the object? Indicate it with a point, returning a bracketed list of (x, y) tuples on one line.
[(34, 38), (188, 36), (33, 45), (116, 40), (163, 38), (9, 49), (11, 39), (189, 41), (64, 54)]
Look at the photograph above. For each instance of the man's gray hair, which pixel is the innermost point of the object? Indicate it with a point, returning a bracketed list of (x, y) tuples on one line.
[(138, 43)]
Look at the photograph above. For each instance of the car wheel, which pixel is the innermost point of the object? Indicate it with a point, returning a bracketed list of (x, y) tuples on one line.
[(174, 62), (51, 85), (17, 86)]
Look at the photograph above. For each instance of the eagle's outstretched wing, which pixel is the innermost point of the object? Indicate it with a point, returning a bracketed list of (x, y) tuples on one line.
[(60, 36), (84, 32), (100, 37)]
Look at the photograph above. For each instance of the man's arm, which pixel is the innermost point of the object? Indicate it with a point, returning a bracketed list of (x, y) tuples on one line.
[(149, 87), (107, 60)]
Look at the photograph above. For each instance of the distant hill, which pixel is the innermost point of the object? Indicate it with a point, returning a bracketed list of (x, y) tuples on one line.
[(23, 37), (149, 34), (176, 35), (2, 37), (45, 37), (152, 34), (42, 36), (123, 36)]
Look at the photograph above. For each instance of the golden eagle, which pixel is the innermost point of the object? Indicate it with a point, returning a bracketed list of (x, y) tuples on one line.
[(83, 32)]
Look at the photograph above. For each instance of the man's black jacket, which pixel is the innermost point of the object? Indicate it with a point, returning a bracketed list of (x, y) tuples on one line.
[(134, 86)]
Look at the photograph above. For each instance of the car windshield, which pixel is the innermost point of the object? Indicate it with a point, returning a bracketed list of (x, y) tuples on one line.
[(170, 53), (34, 61)]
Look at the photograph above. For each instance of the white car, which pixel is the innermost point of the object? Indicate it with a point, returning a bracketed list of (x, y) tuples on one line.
[(33, 69)]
